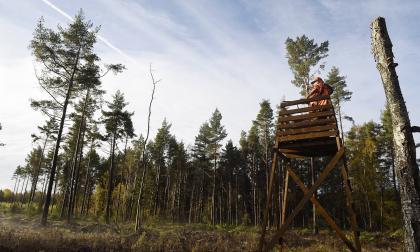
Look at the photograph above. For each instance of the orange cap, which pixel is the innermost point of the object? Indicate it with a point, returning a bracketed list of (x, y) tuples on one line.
[(317, 78)]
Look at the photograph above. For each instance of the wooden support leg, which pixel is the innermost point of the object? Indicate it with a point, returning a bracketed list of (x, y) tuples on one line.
[(323, 212), (284, 205), (350, 205), (275, 199), (284, 202), (306, 198), (268, 205)]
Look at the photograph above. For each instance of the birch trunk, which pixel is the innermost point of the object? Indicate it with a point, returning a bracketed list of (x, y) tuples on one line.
[(404, 147)]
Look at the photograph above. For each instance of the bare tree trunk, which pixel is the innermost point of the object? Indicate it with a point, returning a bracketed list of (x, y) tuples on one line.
[(236, 200), (213, 201), (229, 217), (404, 146), (76, 160), (110, 178), (76, 184), (22, 192), (143, 176), (38, 169), (14, 189), (157, 183), (87, 177)]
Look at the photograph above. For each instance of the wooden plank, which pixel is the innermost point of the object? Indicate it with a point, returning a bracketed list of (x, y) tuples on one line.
[(322, 211), (315, 143), (307, 130), (308, 123), (302, 152), (305, 198), (303, 101), (286, 189), (307, 136), (295, 156), (306, 116), (284, 112)]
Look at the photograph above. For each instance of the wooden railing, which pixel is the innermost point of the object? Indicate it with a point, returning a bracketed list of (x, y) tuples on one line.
[(307, 129)]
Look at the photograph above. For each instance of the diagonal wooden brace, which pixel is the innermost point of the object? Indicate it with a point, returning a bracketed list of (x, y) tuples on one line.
[(305, 199), (350, 206), (322, 211)]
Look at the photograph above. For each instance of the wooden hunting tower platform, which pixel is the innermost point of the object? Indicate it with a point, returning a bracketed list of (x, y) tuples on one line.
[(307, 131)]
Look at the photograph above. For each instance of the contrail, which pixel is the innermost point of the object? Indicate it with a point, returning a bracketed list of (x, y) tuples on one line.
[(101, 38)]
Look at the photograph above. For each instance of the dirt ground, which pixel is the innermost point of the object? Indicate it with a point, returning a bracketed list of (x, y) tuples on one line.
[(19, 232)]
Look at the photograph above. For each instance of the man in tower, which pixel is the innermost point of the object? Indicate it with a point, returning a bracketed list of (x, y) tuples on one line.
[(319, 88)]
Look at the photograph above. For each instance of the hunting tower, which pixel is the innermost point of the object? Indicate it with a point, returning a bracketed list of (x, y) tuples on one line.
[(305, 130)]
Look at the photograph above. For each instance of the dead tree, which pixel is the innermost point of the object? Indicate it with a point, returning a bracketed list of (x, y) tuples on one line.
[(404, 146), (143, 175)]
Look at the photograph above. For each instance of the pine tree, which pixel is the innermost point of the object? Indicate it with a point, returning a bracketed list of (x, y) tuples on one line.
[(67, 63), (303, 55), (115, 121), (217, 134), (341, 93), (264, 123)]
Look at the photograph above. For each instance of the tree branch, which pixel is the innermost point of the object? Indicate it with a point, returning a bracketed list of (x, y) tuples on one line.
[(415, 129), (39, 82)]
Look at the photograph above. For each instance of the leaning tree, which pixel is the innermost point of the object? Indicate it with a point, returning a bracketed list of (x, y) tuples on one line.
[(67, 64)]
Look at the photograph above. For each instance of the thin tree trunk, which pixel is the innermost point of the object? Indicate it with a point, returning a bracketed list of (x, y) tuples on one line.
[(143, 177), (110, 178), (65, 202), (57, 144), (157, 182), (24, 192), (87, 177), (229, 217), (404, 146), (14, 188), (77, 160), (44, 187), (213, 192), (76, 184), (54, 192), (38, 169), (236, 200)]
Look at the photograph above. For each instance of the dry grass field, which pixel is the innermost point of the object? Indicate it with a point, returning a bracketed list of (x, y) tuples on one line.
[(21, 232)]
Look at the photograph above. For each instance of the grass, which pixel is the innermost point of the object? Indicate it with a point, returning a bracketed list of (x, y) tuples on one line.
[(20, 231)]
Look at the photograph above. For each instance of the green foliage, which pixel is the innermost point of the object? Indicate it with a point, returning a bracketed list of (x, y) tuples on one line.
[(303, 54), (338, 82), (117, 120), (371, 180)]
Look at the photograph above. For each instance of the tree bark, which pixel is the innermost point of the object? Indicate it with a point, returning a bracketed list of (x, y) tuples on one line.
[(404, 146)]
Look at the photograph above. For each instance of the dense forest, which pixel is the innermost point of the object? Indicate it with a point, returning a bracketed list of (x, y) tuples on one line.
[(88, 161)]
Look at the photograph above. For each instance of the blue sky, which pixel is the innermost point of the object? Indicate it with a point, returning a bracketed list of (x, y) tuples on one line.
[(224, 54)]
